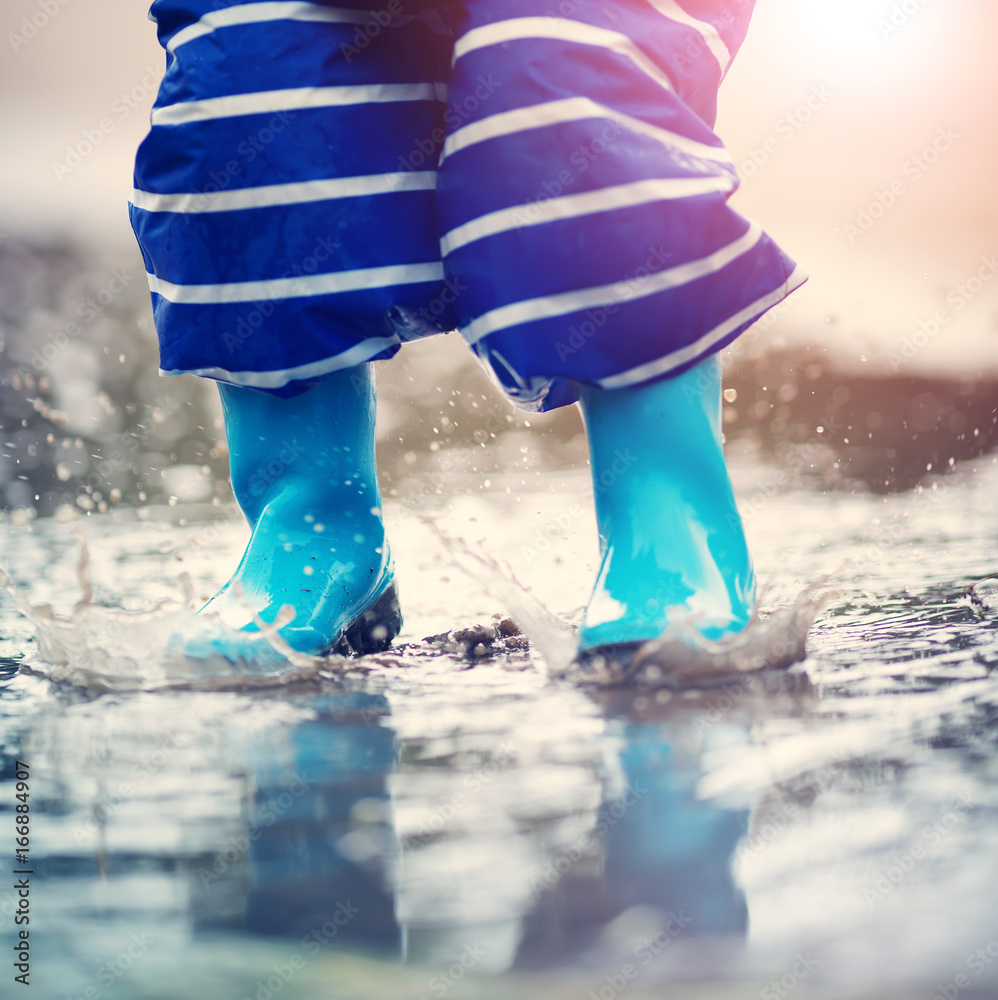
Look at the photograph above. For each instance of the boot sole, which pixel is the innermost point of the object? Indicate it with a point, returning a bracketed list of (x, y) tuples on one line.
[(374, 629)]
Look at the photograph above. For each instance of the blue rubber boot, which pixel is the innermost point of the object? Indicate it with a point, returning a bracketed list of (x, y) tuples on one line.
[(672, 544), (303, 472)]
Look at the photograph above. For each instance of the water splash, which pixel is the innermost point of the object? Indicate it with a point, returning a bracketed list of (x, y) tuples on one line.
[(550, 635), (983, 595), (682, 658), (111, 649)]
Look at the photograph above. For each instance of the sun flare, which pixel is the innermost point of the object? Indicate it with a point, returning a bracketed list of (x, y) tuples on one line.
[(849, 29)]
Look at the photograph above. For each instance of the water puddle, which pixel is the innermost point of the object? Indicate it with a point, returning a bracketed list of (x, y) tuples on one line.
[(468, 816), (112, 649)]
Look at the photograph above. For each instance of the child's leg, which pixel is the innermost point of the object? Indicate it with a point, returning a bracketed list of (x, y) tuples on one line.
[(583, 200), (303, 472), (602, 253), (285, 208), (670, 534), (284, 196)]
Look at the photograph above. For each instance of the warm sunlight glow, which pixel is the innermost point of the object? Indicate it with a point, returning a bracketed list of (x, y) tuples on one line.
[(848, 29), (853, 41)]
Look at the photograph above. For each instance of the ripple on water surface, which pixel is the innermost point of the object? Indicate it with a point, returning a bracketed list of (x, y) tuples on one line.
[(487, 822)]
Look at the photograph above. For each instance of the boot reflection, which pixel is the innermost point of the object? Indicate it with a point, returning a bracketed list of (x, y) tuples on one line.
[(321, 857), (656, 850), (320, 864)]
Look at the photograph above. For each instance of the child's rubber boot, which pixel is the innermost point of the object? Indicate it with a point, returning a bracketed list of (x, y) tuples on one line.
[(303, 472), (672, 544)]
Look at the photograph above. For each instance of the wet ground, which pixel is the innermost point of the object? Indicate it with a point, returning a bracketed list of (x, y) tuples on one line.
[(430, 824)]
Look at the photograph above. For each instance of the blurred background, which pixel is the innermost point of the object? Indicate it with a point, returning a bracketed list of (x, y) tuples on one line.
[(862, 135)]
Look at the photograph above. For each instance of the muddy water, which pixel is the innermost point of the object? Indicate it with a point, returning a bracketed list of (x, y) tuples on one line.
[(428, 824)]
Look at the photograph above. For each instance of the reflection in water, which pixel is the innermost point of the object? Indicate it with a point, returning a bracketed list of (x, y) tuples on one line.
[(482, 817), (674, 851), (321, 846), (654, 847), (324, 858)]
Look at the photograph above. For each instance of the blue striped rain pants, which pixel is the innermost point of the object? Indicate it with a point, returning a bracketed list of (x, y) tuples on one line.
[(321, 183)]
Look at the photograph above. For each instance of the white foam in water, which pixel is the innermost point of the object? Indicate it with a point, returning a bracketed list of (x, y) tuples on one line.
[(983, 595), (683, 658), (109, 649), (550, 635), (112, 649)]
